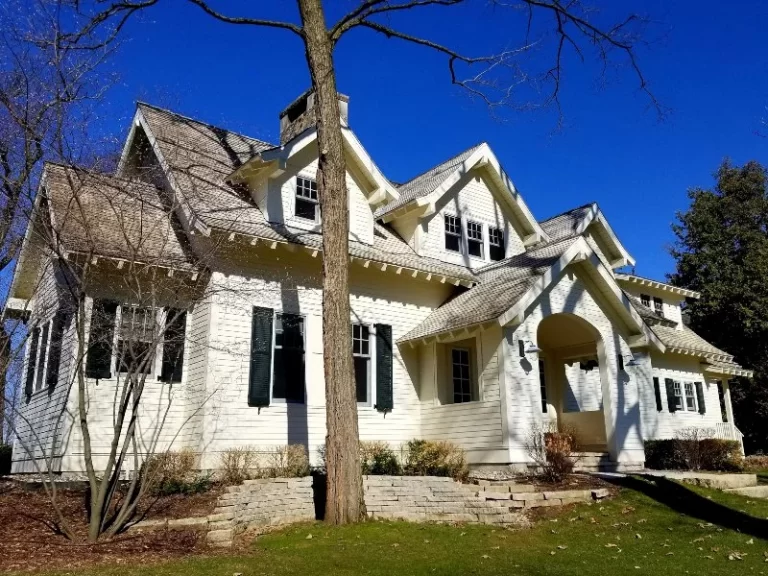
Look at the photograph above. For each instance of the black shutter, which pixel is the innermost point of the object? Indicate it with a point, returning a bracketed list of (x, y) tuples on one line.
[(657, 391), (700, 397), (99, 362), (261, 357), (384, 399), (671, 400), (173, 345), (620, 361), (29, 386), (41, 356), (60, 322)]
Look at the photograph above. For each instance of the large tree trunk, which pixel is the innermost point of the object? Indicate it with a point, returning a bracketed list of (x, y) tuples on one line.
[(345, 483)]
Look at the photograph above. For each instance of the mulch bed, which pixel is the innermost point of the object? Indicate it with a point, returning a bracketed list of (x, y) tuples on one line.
[(29, 540)]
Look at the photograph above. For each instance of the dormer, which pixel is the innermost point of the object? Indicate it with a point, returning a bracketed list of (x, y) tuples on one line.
[(283, 180), (465, 211), (665, 300)]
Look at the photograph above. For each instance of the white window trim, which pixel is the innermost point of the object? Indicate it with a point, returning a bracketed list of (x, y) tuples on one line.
[(503, 242), (469, 366), (695, 407), (284, 401), (296, 197), (370, 356), (460, 234), (483, 238), (154, 373)]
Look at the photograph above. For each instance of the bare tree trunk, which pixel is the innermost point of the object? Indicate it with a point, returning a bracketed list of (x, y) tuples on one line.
[(345, 483), (5, 357)]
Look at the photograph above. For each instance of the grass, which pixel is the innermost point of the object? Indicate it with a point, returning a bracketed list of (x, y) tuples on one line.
[(633, 533)]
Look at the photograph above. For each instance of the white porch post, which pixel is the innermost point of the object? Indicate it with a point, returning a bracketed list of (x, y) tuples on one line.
[(729, 414)]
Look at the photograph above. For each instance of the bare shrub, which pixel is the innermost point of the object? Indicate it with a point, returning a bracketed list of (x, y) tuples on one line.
[(554, 451), (236, 465), (756, 463), (174, 472), (291, 461), (435, 458), (689, 448)]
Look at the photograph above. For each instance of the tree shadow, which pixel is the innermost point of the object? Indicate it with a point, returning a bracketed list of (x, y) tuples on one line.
[(685, 501)]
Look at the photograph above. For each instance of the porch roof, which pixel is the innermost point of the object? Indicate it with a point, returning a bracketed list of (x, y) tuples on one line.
[(502, 285), (686, 341)]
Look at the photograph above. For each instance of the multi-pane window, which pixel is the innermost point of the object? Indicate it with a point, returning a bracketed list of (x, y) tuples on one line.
[(543, 386), (690, 397), (306, 199), (496, 246), (678, 388), (475, 239), (462, 384), (288, 369), (361, 354), (136, 339), (658, 306), (452, 233), (645, 300)]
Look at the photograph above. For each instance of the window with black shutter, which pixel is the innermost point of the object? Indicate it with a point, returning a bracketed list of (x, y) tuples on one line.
[(60, 323), (34, 339), (384, 355), (673, 395), (657, 393), (99, 361), (361, 356), (41, 357), (288, 372), (700, 397), (137, 339), (173, 345)]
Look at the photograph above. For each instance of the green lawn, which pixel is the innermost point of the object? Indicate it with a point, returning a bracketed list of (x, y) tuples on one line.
[(634, 533)]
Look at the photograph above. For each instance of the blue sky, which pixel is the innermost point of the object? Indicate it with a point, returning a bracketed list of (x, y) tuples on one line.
[(707, 62)]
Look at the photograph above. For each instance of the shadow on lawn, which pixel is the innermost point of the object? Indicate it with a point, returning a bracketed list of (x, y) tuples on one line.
[(688, 502)]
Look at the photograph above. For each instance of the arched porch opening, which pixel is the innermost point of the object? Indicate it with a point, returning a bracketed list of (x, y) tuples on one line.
[(572, 368)]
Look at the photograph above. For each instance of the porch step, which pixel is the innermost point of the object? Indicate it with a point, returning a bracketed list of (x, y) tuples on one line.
[(593, 462)]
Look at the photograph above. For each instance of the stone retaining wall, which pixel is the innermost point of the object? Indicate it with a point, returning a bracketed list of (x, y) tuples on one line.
[(261, 503)]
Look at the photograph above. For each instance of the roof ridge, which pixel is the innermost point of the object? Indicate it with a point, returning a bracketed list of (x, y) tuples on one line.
[(197, 121), (587, 205), (446, 161)]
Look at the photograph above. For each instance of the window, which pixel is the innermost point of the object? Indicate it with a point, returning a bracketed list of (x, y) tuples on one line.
[(361, 356), (475, 239), (658, 306), (452, 233), (288, 370), (678, 388), (645, 300), (461, 379), (41, 358), (497, 249), (306, 199), (136, 339), (543, 387), (690, 397)]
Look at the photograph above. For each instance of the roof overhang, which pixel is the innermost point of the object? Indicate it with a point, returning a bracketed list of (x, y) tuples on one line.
[(728, 370), (484, 160), (595, 217), (16, 309), (633, 280), (275, 160)]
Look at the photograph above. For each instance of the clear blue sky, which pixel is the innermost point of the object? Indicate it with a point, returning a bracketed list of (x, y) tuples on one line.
[(708, 63)]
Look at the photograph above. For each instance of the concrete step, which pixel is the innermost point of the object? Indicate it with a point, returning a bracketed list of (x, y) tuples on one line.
[(593, 462), (752, 491)]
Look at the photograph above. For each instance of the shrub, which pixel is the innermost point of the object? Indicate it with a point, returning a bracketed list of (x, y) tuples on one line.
[(686, 453), (175, 473), (379, 459), (553, 451), (6, 455), (756, 463), (435, 458), (236, 465), (290, 461)]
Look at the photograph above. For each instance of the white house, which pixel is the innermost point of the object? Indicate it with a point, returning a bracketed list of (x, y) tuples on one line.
[(474, 322)]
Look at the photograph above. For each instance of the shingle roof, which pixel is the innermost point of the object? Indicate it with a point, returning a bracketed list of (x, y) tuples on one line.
[(500, 288), (565, 225), (200, 158), (647, 314), (730, 368), (112, 217), (425, 183), (685, 339)]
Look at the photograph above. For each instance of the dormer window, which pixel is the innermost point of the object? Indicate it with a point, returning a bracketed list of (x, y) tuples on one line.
[(658, 306), (306, 199), (475, 239), (645, 300), (497, 249), (452, 233)]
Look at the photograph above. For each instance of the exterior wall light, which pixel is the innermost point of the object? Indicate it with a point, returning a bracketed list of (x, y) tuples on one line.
[(527, 347)]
